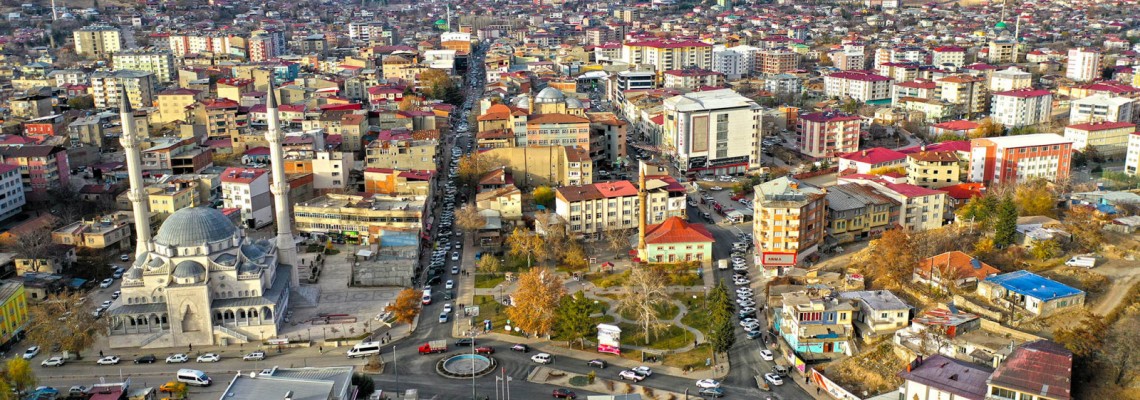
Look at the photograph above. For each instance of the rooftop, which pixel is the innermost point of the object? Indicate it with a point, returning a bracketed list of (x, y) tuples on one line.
[(962, 379), (676, 230), (1029, 284), (1043, 368)]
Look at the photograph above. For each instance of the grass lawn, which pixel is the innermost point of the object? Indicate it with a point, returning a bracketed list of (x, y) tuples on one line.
[(492, 310), (665, 311), (694, 358), (607, 279), (697, 317), (488, 281), (671, 337)]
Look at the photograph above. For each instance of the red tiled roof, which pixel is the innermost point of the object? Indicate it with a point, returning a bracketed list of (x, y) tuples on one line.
[(876, 155), (257, 151), (676, 230), (242, 175), (668, 44), (957, 261), (1043, 368), (959, 125), (1024, 93), (865, 76), (964, 191), (918, 84), (1102, 126), (910, 191), (556, 119), (949, 49)]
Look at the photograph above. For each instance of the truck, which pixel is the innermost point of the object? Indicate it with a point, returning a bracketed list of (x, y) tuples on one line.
[(722, 264), (1081, 261), (434, 346)]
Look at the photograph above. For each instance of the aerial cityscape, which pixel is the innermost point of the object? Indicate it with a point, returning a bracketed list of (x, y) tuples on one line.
[(611, 200)]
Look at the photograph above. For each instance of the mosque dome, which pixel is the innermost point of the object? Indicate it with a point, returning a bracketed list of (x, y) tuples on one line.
[(550, 95), (252, 251), (194, 227), (573, 103), (1000, 25), (134, 274), (189, 270)]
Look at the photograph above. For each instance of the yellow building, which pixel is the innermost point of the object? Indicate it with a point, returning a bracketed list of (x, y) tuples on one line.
[(933, 169), (790, 219), (172, 104), (110, 233), (13, 309), (166, 198), (365, 217), (97, 41), (858, 212), (397, 66), (546, 165)]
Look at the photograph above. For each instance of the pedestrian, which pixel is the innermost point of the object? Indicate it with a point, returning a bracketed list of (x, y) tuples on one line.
[(389, 335), (817, 390), (321, 349), (807, 379), (191, 347), (100, 353), (694, 342)]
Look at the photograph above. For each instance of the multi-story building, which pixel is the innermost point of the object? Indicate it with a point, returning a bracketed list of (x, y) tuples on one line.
[(402, 151), (850, 57), (863, 161), (856, 212), (1013, 159), (395, 182), (939, 377), (715, 131), (41, 168), (860, 85), (1108, 139), (174, 103), (968, 92), (183, 45), (158, 62), (918, 88), (828, 134), (247, 189), (1022, 107), (777, 61), (609, 132), (815, 328), (176, 156), (790, 220), (166, 198), (933, 169), (107, 234), (364, 217), (331, 169), (11, 192), (97, 41), (1083, 64), (733, 64), (920, 208), (595, 208), (1132, 158), (877, 312), (692, 79), (948, 55), (1002, 51), (1102, 107), (664, 55), (14, 308), (783, 84), (224, 119), (139, 86), (1011, 78)]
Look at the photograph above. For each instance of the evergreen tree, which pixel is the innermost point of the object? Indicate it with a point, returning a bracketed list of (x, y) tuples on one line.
[(723, 334), (573, 318), (1005, 228)]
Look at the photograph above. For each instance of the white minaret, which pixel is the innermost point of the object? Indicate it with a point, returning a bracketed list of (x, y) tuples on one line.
[(286, 248), (137, 193)]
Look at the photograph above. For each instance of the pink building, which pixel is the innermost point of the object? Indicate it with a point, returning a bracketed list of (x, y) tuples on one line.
[(828, 134), (41, 168)]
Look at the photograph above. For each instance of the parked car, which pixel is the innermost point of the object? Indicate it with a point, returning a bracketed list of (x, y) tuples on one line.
[(177, 358), (767, 355), (108, 360), (31, 352), (643, 370), (630, 375), (464, 342), (773, 379), (53, 362), (708, 383), (106, 283), (147, 359), (254, 356), (716, 392), (208, 357), (485, 350)]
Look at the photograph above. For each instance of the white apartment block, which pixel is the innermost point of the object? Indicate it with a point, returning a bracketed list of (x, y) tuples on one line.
[(138, 84), (158, 62), (596, 208), (730, 63), (948, 55), (921, 208), (1022, 107), (1102, 107), (1083, 64), (1132, 159), (716, 131), (331, 168), (97, 41), (64, 77), (12, 198), (863, 86), (664, 55), (1011, 78), (248, 190)]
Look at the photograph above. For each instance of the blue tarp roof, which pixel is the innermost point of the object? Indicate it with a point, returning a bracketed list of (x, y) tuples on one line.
[(77, 282), (1033, 285)]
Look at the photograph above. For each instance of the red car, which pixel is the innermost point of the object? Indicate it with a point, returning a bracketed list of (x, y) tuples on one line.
[(564, 394), (485, 350)]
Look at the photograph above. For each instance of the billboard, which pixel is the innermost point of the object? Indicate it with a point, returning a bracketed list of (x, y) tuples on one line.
[(609, 339), (771, 259)]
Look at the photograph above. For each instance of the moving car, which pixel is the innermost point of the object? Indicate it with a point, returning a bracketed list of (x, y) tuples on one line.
[(449, 285), (643, 370), (106, 283), (542, 358), (708, 383), (521, 347), (630, 375), (485, 350), (773, 379), (716, 392), (254, 356), (564, 394), (125, 257), (443, 318), (767, 355), (108, 360), (208, 357), (596, 363), (53, 362), (465, 342), (31, 352), (177, 358)]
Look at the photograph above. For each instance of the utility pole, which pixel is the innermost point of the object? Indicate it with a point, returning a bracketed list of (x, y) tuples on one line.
[(397, 371)]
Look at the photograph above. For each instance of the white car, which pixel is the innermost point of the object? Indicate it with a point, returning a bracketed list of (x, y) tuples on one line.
[(125, 257), (542, 358), (630, 375), (708, 383), (108, 360), (748, 321), (773, 379), (53, 362), (449, 285), (208, 357), (447, 308), (443, 318), (31, 352), (741, 282), (254, 356), (177, 358), (767, 355), (643, 370), (740, 267), (106, 283)]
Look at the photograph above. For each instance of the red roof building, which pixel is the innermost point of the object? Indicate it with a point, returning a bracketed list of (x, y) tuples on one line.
[(675, 241), (1041, 369)]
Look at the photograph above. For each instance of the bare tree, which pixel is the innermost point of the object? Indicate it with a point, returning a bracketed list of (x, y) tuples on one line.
[(33, 245), (618, 239), (469, 219), (644, 292), (65, 319)]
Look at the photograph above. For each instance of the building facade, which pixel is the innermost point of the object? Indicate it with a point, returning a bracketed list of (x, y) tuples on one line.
[(97, 41), (828, 134), (1022, 107), (790, 218), (1010, 159), (1108, 139), (713, 132)]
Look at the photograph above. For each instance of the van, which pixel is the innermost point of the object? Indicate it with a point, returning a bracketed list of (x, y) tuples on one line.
[(364, 349), (193, 377)]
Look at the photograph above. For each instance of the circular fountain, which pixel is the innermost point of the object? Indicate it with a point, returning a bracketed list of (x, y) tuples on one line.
[(465, 366)]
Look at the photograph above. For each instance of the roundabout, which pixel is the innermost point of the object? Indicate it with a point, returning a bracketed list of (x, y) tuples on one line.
[(465, 366)]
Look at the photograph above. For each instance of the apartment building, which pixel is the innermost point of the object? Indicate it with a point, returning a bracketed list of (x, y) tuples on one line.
[(815, 328), (182, 45), (1103, 107), (789, 220), (968, 92), (14, 308), (733, 64), (223, 119), (174, 103), (918, 88), (783, 85), (364, 217), (1013, 159), (402, 152), (1109, 139), (863, 161), (1011, 78), (664, 55), (1083, 64), (395, 182), (1132, 156), (167, 197), (1022, 107), (97, 41), (877, 312), (158, 62), (948, 55), (595, 208), (852, 57), (247, 189), (105, 234), (1002, 51), (713, 132), (860, 85), (858, 212), (12, 198), (175, 156), (933, 169), (920, 208), (41, 168), (692, 79), (776, 61), (139, 86), (828, 134)]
